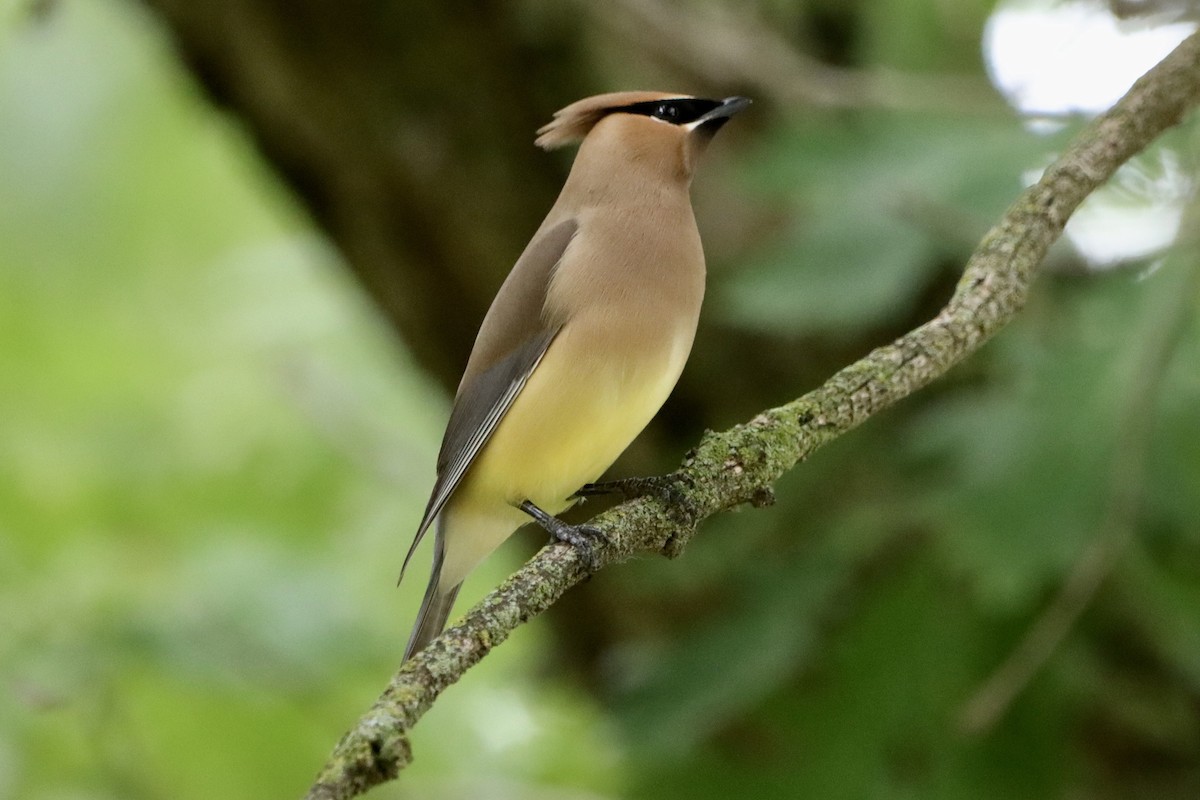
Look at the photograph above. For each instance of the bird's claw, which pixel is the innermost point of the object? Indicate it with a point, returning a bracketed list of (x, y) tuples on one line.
[(585, 539)]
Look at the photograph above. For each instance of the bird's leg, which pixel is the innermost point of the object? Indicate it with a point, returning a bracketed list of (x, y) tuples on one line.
[(583, 538)]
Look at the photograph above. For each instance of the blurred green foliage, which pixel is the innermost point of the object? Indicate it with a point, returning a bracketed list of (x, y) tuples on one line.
[(922, 186), (211, 451)]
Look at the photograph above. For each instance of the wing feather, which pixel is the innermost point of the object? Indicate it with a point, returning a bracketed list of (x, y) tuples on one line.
[(511, 342)]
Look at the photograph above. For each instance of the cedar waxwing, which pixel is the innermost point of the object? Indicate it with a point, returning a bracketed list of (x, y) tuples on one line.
[(585, 339)]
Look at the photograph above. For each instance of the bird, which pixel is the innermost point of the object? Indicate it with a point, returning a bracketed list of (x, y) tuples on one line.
[(584, 341)]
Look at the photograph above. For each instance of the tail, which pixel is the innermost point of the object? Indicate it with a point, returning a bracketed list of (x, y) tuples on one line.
[(435, 608)]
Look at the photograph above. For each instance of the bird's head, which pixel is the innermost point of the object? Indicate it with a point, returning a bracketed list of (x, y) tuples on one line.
[(666, 130)]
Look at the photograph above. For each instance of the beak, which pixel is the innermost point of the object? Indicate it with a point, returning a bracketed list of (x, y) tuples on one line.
[(711, 122)]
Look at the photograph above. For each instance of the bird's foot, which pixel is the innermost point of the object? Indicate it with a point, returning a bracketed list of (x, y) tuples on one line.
[(667, 489), (584, 538), (664, 487)]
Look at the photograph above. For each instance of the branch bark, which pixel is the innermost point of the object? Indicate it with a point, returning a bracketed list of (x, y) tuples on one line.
[(740, 465)]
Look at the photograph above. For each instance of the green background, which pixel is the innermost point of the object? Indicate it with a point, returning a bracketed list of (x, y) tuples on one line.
[(213, 450)]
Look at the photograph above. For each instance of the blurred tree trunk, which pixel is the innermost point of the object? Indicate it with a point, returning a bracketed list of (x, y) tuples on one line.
[(404, 128)]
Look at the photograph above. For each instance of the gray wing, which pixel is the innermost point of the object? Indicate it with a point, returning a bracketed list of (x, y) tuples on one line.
[(510, 345)]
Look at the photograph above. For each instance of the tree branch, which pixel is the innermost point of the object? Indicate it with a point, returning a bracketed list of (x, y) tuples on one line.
[(741, 464)]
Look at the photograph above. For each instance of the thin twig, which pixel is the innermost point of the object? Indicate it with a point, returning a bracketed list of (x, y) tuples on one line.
[(726, 48), (740, 465)]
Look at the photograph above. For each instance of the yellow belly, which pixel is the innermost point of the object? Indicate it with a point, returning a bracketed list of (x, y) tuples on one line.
[(580, 409)]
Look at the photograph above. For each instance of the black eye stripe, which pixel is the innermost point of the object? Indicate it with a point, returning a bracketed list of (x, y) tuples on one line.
[(679, 111)]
